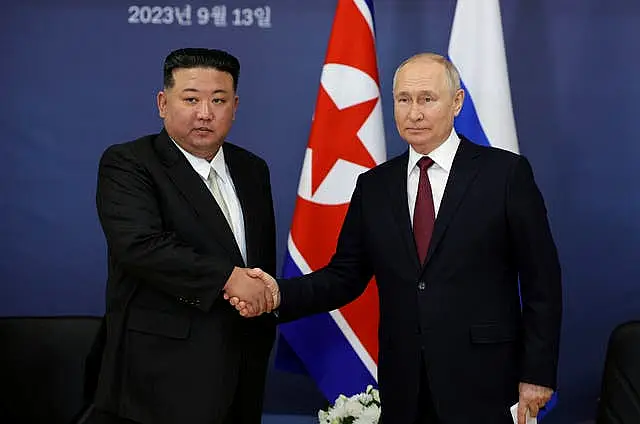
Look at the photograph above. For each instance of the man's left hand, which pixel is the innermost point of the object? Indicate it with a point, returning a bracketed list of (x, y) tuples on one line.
[(532, 398)]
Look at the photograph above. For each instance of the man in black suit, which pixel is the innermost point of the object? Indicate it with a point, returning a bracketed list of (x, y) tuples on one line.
[(456, 236), (183, 213)]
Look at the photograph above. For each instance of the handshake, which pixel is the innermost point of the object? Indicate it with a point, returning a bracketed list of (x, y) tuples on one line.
[(252, 291)]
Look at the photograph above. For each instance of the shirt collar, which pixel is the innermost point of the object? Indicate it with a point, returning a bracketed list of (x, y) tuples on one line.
[(218, 164), (442, 155), (203, 166)]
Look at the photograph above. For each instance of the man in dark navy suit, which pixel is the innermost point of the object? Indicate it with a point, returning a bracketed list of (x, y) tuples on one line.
[(456, 236)]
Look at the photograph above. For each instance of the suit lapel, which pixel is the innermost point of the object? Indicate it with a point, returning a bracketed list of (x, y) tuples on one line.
[(190, 184), (463, 171), (397, 192)]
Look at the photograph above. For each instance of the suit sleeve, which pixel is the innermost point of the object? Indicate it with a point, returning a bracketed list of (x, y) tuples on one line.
[(341, 281), (130, 215), (540, 277)]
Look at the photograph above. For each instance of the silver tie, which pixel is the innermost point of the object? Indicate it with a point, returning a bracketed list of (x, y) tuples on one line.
[(212, 182)]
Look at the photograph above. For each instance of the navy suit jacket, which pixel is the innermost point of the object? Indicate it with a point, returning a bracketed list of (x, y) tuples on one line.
[(460, 312)]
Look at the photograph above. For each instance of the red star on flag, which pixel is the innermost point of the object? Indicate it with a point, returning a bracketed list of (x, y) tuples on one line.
[(334, 135)]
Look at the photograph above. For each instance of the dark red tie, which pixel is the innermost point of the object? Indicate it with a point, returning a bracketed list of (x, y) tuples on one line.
[(424, 213)]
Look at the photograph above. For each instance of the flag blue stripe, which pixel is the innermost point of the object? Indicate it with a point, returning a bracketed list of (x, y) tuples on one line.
[(370, 4), (327, 355), (289, 267), (467, 122)]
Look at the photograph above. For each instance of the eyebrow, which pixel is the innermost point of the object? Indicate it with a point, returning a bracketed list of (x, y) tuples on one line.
[(422, 92), (195, 90)]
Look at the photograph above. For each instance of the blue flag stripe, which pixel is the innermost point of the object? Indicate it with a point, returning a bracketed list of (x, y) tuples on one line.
[(328, 357), (371, 9), (467, 122)]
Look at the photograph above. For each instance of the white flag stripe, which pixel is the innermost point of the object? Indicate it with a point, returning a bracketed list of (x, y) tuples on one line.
[(355, 343), (337, 316), (366, 13), (297, 257)]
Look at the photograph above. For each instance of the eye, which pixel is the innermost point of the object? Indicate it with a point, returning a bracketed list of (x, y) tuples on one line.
[(402, 100), (191, 100), (219, 101), (427, 99)]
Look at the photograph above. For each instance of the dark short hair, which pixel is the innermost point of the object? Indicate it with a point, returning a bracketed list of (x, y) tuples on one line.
[(200, 58)]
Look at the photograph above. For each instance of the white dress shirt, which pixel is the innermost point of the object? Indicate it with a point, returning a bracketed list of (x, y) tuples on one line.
[(227, 189), (438, 173)]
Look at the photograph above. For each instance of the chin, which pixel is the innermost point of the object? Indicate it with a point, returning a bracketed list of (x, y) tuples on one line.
[(206, 142), (421, 146), (417, 142)]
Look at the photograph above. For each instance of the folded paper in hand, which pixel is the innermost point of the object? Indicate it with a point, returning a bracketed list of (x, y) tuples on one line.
[(514, 414)]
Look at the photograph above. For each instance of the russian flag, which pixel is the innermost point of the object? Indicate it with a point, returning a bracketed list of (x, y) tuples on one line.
[(338, 349), (477, 49)]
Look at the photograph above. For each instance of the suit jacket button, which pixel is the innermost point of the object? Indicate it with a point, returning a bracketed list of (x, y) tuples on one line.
[(421, 285)]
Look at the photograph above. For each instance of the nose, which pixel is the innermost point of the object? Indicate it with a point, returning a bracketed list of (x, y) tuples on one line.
[(205, 111), (415, 114)]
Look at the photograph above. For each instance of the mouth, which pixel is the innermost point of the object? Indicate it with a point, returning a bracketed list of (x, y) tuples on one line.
[(202, 130)]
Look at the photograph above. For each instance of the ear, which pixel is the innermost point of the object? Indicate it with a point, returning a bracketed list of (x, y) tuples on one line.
[(236, 101), (162, 104), (458, 100)]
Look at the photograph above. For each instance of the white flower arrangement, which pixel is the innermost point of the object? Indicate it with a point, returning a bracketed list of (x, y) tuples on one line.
[(363, 408)]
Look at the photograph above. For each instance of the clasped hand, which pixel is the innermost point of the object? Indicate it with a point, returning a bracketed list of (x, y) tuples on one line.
[(252, 291)]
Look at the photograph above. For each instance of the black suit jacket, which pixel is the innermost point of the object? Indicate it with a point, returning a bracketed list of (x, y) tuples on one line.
[(176, 352), (459, 312)]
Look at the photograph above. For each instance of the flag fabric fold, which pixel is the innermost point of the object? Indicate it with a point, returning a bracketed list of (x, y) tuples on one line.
[(338, 349)]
